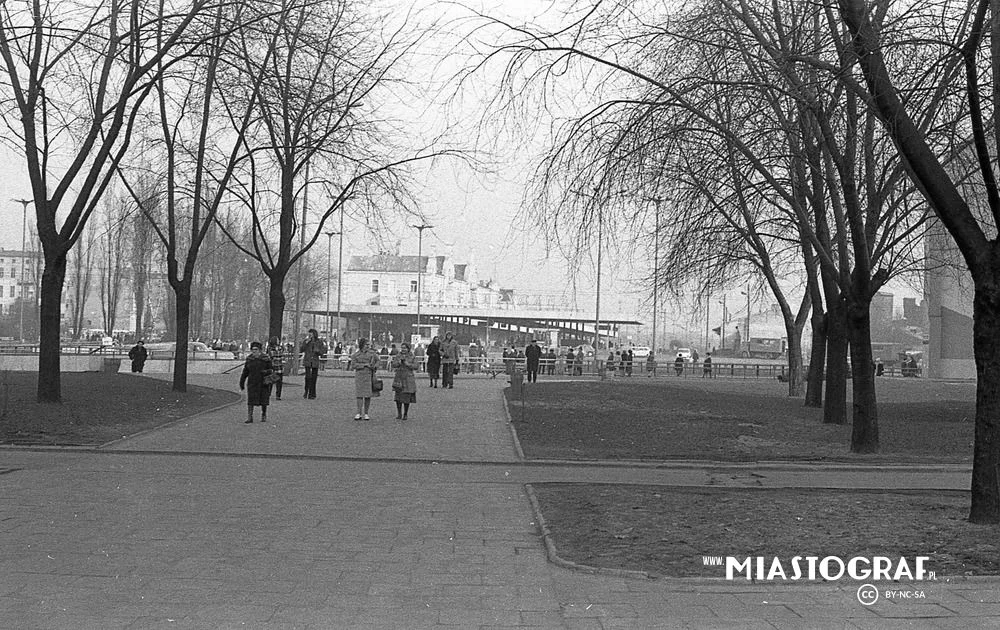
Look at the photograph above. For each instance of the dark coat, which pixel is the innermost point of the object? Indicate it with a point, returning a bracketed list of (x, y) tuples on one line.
[(433, 357), (138, 354), (254, 371), (533, 354)]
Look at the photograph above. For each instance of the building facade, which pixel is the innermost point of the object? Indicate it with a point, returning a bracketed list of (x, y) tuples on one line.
[(17, 278), (948, 293)]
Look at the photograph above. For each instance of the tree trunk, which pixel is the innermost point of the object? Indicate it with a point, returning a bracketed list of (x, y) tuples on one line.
[(276, 303), (835, 407), (795, 377), (817, 359), (986, 452), (140, 303), (50, 318), (182, 292), (864, 433)]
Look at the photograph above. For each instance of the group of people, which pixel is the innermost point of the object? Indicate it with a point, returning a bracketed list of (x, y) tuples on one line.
[(264, 371)]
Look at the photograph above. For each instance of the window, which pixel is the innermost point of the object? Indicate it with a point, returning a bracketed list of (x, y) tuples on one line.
[(12, 290), (413, 286), (374, 286), (13, 272), (1, 272)]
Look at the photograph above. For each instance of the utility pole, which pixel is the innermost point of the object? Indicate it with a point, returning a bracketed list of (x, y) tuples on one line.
[(656, 267), (340, 268), (420, 267), (329, 256), (597, 307), (24, 244)]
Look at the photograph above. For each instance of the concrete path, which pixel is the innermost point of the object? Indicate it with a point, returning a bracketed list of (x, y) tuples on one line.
[(316, 521)]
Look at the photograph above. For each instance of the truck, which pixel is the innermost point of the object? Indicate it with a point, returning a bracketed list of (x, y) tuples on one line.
[(765, 348)]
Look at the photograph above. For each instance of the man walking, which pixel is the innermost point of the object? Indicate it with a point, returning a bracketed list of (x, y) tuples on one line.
[(532, 355), (138, 354)]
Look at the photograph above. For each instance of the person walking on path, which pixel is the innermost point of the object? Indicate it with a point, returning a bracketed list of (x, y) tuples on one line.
[(533, 355), (449, 359), (276, 352), (629, 359), (650, 364), (706, 366), (138, 354), (434, 360), (257, 366), (679, 364), (312, 349), (404, 383), (365, 363)]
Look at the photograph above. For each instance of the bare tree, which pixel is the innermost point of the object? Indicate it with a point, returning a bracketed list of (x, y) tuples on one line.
[(111, 271), (963, 35), (319, 125), (75, 76), (82, 267)]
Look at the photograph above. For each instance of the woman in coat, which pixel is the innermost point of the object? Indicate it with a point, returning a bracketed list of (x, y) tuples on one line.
[(276, 352), (257, 366), (365, 365), (404, 383), (434, 360), (449, 360)]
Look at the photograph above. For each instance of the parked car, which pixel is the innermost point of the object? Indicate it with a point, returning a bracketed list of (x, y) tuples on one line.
[(685, 354), (640, 352)]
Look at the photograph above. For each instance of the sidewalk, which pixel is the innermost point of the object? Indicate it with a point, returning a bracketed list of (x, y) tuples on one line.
[(316, 521)]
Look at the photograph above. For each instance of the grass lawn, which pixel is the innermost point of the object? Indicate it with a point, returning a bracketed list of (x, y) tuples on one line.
[(735, 420), (97, 407), (667, 530)]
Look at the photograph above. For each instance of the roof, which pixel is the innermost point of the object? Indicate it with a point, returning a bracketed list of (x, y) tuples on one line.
[(387, 263)]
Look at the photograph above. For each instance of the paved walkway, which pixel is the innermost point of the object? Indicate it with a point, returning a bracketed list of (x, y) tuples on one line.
[(316, 521)]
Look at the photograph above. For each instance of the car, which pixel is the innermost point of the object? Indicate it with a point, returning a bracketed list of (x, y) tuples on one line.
[(685, 353), (640, 352)]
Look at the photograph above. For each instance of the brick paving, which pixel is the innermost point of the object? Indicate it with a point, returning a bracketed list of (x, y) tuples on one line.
[(316, 521)]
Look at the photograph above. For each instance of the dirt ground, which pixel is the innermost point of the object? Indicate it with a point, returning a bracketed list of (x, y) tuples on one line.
[(727, 420), (97, 407), (667, 530)]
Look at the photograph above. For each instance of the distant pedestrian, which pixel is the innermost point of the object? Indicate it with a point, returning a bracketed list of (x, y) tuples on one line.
[(629, 358), (651, 364), (404, 383), (551, 361), (679, 364), (706, 366), (449, 360), (578, 362), (571, 362), (138, 354), (694, 356), (622, 358), (365, 363), (434, 360), (276, 351), (257, 366), (532, 355), (312, 348)]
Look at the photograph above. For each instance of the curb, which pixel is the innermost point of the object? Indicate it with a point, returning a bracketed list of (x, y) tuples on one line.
[(510, 425), (166, 425), (553, 554)]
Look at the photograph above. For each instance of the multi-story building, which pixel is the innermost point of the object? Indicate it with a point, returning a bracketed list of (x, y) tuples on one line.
[(17, 278)]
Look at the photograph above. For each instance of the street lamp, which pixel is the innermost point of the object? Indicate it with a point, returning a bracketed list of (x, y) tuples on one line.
[(340, 267), (722, 329), (597, 305), (24, 243), (420, 267), (329, 315), (656, 266), (746, 331)]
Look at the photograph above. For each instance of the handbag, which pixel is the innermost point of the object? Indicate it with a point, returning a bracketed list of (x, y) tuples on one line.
[(376, 384), (272, 378)]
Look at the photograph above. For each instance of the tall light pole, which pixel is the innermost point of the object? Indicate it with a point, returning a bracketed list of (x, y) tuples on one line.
[(24, 243), (329, 256), (597, 304), (420, 267), (340, 267), (746, 331), (722, 329), (656, 267)]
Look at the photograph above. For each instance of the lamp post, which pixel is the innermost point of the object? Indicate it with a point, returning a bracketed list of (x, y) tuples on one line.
[(746, 331), (24, 243), (597, 305), (329, 315), (722, 329), (420, 267), (656, 266), (340, 268)]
